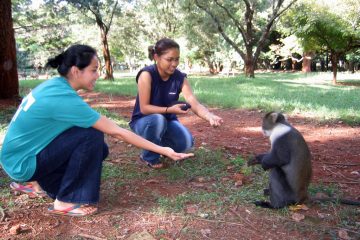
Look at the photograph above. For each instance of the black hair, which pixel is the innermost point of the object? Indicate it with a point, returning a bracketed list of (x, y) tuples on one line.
[(161, 47), (77, 55)]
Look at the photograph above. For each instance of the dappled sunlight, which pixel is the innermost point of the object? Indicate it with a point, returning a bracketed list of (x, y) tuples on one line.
[(318, 80), (249, 130)]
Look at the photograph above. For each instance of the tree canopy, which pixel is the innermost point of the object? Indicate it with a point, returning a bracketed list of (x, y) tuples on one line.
[(249, 34)]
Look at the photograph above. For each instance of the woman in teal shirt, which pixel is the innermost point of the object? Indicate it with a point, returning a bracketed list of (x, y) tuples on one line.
[(56, 140)]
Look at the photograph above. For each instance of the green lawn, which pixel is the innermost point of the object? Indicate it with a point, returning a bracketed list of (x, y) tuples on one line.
[(311, 95)]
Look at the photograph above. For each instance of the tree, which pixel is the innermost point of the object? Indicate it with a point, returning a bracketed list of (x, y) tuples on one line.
[(320, 29), (127, 38), (252, 26), (41, 32), (9, 82), (102, 13)]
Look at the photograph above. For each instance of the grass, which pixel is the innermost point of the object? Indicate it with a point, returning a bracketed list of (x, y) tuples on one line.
[(312, 95), (5, 118)]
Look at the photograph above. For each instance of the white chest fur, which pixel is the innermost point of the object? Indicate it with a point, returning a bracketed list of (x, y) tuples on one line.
[(279, 130)]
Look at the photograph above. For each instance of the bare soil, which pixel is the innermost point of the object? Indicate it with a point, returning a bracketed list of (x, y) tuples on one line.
[(126, 210)]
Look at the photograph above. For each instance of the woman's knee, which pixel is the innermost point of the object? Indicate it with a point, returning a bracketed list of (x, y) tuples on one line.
[(157, 120), (154, 124)]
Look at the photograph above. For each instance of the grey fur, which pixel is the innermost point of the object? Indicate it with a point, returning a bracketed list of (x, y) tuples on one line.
[(289, 161)]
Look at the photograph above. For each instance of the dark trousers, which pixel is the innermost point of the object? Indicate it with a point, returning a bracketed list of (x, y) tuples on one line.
[(69, 168)]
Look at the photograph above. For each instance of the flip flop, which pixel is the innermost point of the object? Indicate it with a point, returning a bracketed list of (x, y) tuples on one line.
[(158, 165), (70, 211), (27, 189)]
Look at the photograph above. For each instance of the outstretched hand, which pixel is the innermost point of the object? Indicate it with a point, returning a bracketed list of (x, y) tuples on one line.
[(215, 121), (176, 156)]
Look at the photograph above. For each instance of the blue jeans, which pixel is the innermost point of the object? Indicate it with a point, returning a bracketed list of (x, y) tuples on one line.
[(167, 133), (69, 168)]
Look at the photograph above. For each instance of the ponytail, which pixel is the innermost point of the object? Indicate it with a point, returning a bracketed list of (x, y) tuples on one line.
[(76, 55)]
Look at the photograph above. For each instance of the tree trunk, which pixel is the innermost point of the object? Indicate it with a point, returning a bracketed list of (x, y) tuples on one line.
[(9, 82), (106, 55), (249, 67), (334, 59), (306, 65), (352, 67)]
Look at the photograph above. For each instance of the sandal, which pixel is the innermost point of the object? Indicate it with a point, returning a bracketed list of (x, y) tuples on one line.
[(70, 211), (158, 165), (27, 189)]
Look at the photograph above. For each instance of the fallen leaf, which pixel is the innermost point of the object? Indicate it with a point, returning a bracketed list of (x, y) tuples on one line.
[(205, 232), (238, 177), (238, 183), (225, 179), (191, 209), (204, 215), (230, 167), (322, 215), (343, 234), (298, 207), (144, 235), (298, 217), (201, 179), (152, 181), (15, 230)]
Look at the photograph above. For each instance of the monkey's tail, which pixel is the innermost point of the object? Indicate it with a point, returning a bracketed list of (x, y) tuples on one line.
[(336, 200)]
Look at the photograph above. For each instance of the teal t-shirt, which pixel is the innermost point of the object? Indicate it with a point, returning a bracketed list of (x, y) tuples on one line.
[(47, 111)]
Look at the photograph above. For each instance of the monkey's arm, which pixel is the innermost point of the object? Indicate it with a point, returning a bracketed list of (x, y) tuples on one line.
[(255, 160), (277, 157)]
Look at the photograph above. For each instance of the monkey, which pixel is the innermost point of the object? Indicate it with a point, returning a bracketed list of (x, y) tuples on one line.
[(289, 161)]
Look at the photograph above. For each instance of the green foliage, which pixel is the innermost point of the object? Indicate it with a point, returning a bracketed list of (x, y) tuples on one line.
[(5, 118), (238, 161), (113, 116), (329, 190), (320, 28), (206, 163), (41, 32)]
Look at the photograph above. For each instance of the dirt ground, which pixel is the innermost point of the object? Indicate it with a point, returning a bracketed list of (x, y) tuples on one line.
[(336, 160)]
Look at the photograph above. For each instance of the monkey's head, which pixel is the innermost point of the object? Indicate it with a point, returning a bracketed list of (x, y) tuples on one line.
[(270, 121)]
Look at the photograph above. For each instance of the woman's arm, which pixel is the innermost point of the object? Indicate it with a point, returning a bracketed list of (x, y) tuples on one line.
[(198, 108), (109, 127)]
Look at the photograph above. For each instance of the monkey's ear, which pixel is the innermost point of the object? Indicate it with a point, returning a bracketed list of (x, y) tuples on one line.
[(273, 117)]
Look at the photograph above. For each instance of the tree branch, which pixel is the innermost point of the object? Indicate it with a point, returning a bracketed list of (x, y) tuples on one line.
[(112, 15), (220, 29), (266, 30), (237, 23), (248, 21)]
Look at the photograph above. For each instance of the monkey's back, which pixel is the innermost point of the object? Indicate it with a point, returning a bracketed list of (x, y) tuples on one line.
[(299, 170)]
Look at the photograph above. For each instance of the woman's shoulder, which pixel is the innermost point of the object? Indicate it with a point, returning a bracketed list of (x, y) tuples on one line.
[(150, 69)]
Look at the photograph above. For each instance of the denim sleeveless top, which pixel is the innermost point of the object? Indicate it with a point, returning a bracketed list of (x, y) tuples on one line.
[(163, 93)]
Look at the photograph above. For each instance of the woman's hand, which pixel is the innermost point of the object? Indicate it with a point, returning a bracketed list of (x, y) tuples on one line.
[(176, 109), (214, 120), (169, 152)]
